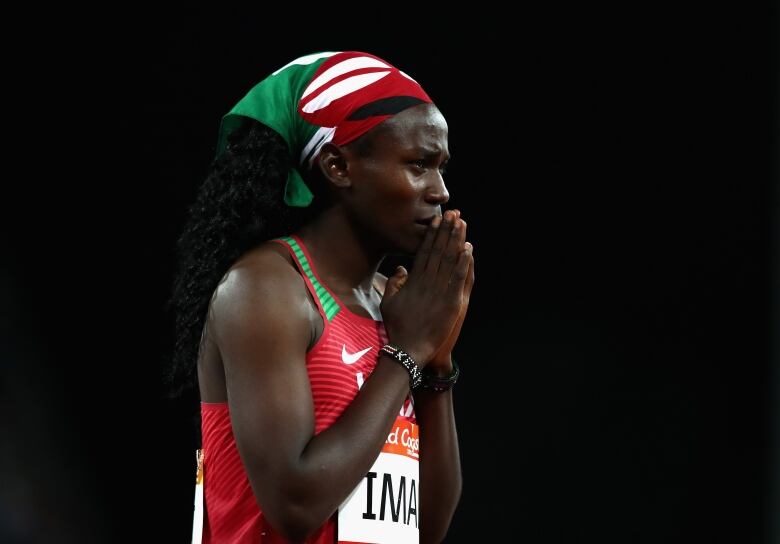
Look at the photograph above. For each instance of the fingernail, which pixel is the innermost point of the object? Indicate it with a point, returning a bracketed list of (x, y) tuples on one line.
[(436, 221)]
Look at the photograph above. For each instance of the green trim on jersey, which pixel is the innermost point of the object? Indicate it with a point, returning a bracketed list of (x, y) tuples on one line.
[(329, 304)]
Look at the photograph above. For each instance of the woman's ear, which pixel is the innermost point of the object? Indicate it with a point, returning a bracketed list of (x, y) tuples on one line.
[(333, 163)]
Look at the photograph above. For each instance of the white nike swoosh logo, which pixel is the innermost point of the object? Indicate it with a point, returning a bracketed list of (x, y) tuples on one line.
[(350, 358)]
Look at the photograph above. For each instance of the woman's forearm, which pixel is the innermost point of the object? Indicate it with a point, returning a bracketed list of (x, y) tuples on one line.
[(335, 460), (440, 474)]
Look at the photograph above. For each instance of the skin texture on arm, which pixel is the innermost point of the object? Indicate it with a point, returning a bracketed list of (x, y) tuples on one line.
[(260, 322), (440, 473)]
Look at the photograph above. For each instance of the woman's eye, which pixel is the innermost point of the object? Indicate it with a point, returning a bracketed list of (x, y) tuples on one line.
[(423, 164)]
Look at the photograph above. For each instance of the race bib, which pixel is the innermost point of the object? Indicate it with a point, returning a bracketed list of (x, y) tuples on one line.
[(197, 517), (384, 507)]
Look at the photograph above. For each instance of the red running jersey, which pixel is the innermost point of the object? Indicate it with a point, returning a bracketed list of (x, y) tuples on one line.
[(338, 364)]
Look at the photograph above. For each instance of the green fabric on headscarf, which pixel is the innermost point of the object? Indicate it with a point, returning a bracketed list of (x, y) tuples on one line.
[(274, 102)]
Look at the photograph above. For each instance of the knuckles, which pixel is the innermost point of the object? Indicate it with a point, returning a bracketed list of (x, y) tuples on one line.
[(459, 275)]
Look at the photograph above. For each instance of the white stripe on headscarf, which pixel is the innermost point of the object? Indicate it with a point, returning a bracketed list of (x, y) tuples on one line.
[(343, 88), (349, 65)]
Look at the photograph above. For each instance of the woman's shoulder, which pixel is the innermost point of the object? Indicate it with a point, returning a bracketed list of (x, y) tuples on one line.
[(267, 260), (263, 274)]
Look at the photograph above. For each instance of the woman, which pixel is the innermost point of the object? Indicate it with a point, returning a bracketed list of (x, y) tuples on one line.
[(314, 370)]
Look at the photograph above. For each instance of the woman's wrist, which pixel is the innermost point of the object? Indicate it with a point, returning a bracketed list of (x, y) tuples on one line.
[(438, 379), (406, 360), (440, 368), (421, 353)]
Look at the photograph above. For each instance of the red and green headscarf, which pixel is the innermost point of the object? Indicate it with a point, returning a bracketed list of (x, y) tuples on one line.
[(324, 97)]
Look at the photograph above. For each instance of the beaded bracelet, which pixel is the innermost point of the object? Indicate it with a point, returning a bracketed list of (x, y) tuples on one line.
[(441, 383), (415, 376)]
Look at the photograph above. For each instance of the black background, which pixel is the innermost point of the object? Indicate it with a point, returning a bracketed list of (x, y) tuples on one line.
[(616, 169)]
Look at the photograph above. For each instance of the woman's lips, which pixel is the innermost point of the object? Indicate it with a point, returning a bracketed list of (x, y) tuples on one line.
[(426, 221)]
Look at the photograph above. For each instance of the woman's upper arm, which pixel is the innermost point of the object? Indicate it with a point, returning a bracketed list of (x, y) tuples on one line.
[(261, 322)]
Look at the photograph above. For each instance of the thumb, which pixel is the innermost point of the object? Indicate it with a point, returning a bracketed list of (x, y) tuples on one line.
[(396, 281)]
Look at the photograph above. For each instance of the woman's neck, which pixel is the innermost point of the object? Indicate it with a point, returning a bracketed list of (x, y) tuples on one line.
[(346, 261)]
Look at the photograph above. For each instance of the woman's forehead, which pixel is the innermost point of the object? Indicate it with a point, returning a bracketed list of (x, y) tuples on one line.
[(418, 127)]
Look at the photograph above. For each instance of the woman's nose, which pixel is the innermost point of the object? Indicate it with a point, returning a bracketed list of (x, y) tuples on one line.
[(436, 192)]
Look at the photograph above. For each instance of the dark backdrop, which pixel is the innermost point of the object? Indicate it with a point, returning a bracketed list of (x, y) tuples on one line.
[(616, 171)]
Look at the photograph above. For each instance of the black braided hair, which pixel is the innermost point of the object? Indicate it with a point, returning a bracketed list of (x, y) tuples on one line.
[(239, 206)]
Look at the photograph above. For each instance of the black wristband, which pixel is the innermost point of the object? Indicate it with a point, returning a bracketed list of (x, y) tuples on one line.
[(440, 384), (415, 376)]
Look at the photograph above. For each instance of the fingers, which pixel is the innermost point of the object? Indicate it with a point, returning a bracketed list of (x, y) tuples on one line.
[(395, 282), (439, 246), (423, 253), (463, 274), (451, 253), (470, 274), (439, 253), (404, 276)]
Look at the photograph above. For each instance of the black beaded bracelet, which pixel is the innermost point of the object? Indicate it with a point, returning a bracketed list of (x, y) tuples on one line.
[(415, 376), (441, 383)]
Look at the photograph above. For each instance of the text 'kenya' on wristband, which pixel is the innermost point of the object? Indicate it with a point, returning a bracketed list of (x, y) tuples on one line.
[(415, 376), (441, 384)]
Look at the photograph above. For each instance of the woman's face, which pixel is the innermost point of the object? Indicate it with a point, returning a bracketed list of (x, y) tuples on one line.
[(397, 181)]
